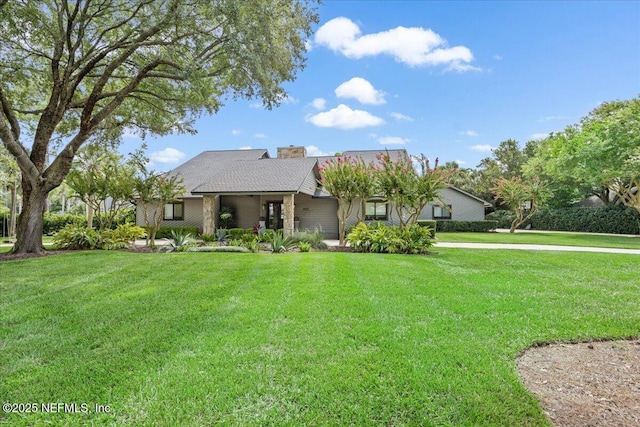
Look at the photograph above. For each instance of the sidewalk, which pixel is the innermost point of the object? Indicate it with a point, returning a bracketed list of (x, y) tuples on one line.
[(528, 247)]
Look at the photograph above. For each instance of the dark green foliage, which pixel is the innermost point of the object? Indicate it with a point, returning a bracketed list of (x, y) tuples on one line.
[(55, 222), (614, 219), (281, 243), (464, 226), (165, 232), (304, 246), (381, 238), (504, 218), (235, 233), (429, 223)]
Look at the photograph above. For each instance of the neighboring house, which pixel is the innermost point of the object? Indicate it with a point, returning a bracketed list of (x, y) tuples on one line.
[(281, 193)]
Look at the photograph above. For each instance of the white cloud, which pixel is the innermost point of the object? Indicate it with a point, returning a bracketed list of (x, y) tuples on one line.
[(129, 132), (343, 117), (550, 118), (460, 162), (235, 132), (469, 133), (288, 99), (259, 135), (401, 117), (362, 90), (168, 155), (313, 151), (485, 147), (412, 46), (392, 140), (538, 136), (497, 57), (246, 147), (319, 104)]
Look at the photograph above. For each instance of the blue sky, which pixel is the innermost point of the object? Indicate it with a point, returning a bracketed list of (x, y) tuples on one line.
[(447, 79)]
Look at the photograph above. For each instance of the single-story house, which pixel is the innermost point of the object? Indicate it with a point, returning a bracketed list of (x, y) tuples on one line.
[(282, 193)]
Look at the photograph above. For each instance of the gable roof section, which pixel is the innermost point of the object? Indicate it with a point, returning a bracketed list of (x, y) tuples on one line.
[(196, 170), (484, 202), (297, 175)]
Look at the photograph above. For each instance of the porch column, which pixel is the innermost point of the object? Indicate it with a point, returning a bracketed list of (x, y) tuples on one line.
[(289, 207), (209, 213)]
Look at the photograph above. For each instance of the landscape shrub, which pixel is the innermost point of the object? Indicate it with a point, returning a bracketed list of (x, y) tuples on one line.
[(76, 236), (313, 238), (280, 243), (181, 241), (235, 233), (381, 238), (429, 223), (56, 222), (304, 246), (466, 226), (615, 219), (165, 232), (504, 218)]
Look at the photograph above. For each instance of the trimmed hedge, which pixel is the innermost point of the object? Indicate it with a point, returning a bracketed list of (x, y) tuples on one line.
[(56, 222), (504, 218), (615, 219), (464, 226), (165, 232), (429, 223)]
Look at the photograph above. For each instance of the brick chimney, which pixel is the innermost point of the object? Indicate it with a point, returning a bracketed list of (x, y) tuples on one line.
[(291, 152)]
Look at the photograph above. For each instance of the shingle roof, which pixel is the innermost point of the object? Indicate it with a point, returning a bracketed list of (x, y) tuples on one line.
[(197, 170), (260, 176)]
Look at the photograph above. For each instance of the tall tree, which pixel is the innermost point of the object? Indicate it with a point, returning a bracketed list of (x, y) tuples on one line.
[(74, 70), (10, 176)]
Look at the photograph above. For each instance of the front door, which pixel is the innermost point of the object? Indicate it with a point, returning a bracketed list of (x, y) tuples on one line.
[(275, 215)]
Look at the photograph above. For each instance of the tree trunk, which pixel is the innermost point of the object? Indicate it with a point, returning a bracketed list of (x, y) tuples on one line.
[(14, 210), (30, 222), (89, 215)]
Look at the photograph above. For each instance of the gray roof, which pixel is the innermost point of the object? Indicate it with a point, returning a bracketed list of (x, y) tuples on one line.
[(260, 176), (198, 169)]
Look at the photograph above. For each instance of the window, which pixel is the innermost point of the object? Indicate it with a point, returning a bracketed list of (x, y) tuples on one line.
[(174, 211), (442, 212), (376, 210)]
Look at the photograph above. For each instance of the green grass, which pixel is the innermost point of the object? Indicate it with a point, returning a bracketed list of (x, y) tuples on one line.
[(299, 339), (544, 238)]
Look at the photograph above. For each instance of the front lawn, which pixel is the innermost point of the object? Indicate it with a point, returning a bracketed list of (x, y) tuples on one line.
[(298, 339), (544, 238)]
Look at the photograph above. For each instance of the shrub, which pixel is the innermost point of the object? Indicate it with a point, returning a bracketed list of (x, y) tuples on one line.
[(504, 218), (429, 223), (314, 239), (280, 243), (180, 241), (304, 246), (165, 232), (615, 219), (218, 249), (466, 226), (208, 238), (56, 222), (235, 233), (75, 236), (381, 238), (128, 232)]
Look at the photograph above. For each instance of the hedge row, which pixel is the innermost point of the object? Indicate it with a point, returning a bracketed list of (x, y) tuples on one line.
[(615, 219), (464, 226)]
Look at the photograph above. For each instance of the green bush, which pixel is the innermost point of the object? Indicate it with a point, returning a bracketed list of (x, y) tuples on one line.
[(56, 222), (504, 218), (381, 238), (315, 239), (235, 233), (615, 219), (208, 238), (74, 236), (165, 232), (429, 223), (128, 232), (304, 246), (466, 226)]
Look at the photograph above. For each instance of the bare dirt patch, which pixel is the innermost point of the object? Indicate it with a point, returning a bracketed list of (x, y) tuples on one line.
[(585, 384)]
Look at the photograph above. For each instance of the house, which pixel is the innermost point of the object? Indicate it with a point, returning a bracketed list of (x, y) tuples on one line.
[(281, 193)]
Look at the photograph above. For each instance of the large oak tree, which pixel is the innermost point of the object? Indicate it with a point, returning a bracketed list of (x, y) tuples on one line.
[(71, 71)]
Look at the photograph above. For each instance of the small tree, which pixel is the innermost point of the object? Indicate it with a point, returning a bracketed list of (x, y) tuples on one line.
[(407, 189), (522, 197), (347, 180), (152, 191), (102, 180)]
